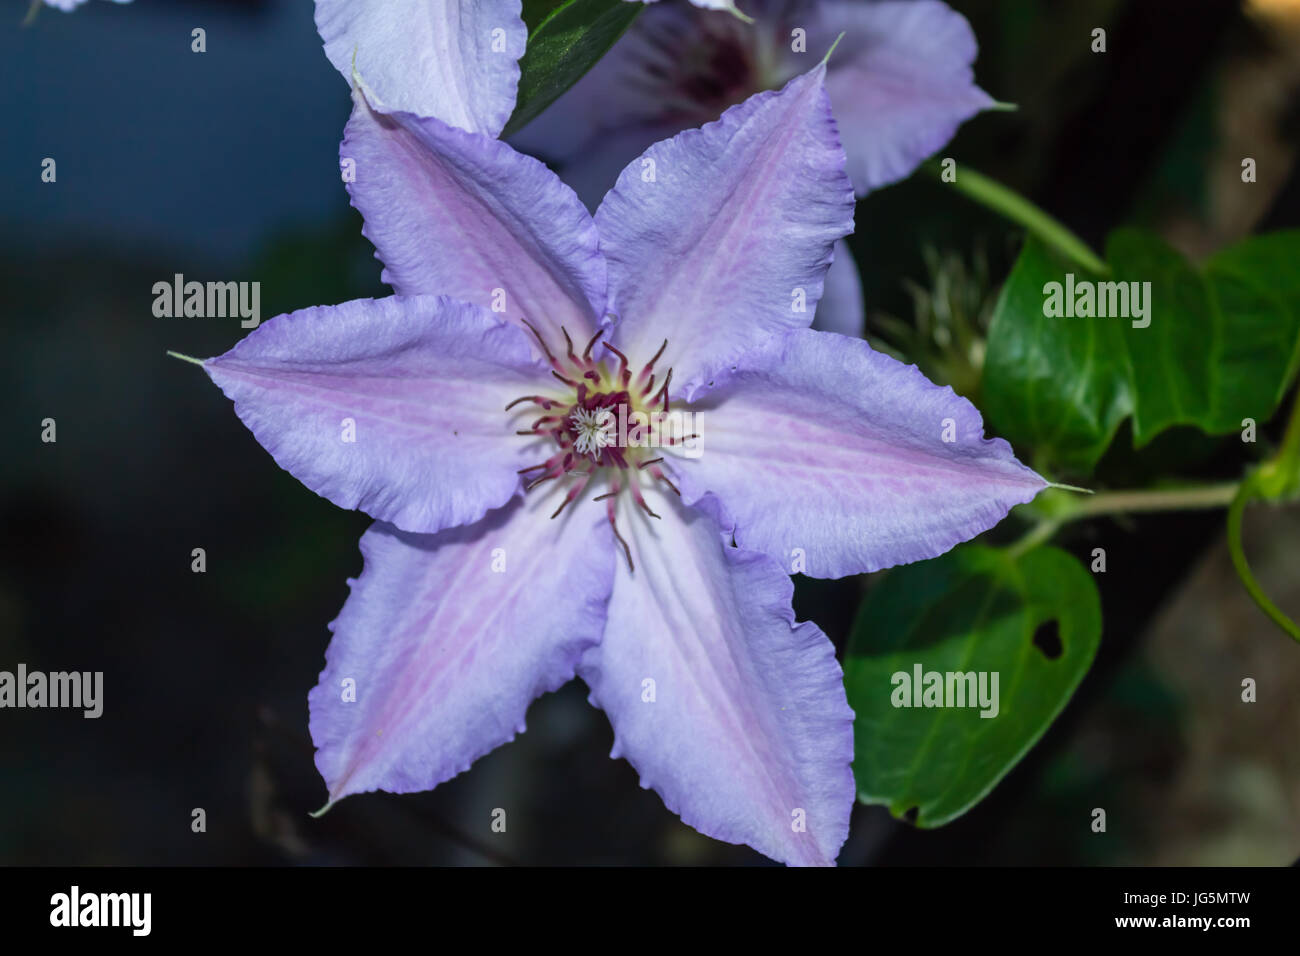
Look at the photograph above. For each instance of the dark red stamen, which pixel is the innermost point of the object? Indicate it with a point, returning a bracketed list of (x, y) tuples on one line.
[(540, 341), (546, 403)]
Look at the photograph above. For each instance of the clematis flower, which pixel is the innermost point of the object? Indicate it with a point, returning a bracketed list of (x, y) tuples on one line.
[(520, 540), (454, 60), (900, 83)]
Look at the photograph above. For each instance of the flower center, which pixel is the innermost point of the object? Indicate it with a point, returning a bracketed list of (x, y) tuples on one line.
[(688, 70), (593, 429), (607, 423)]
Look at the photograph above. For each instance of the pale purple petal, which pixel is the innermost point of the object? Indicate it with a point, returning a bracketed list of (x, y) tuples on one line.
[(900, 82), (445, 58), (836, 459), (840, 309), (720, 235), (461, 214), (733, 713), (394, 406), (448, 638), (676, 67)]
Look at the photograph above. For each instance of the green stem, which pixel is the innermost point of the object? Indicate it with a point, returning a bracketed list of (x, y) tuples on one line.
[(1165, 499), (1128, 502), (1275, 480), (1006, 202), (1248, 489), (1234, 495)]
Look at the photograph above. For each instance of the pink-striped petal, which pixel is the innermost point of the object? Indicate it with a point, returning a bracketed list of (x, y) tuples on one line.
[(835, 459), (722, 235), (461, 214), (901, 82), (446, 639), (733, 713), (394, 406)]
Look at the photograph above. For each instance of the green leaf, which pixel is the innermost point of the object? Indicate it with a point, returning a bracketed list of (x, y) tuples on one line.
[(1222, 344), (565, 39), (974, 609)]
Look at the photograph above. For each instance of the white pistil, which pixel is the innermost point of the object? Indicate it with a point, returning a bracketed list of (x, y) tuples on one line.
[(594, 430)]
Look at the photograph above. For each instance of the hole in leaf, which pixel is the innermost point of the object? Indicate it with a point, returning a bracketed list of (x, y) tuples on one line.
[(911, 815), (1048, 639)]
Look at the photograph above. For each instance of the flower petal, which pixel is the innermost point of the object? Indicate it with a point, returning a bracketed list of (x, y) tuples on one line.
[(836, 459), (840, 309), (460, 214), (745, 731), (717, 236), (901, 82), (654, 82), (448, 638), (456, 61), (394, 406)]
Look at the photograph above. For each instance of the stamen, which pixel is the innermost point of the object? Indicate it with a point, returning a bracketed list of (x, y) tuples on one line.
[(659, 473), (582, 426), (624, 372), (537, 481), (610, 509), (584, 477), (540, 341), (663, 390), (636, 493), (546, 403), (569, 344), (651, 364)]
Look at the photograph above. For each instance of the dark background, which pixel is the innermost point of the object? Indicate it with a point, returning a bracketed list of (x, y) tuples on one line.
[(223, 166)]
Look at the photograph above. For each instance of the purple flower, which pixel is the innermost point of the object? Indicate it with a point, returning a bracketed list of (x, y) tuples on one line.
[(475, 438), (446, 58), (900, 83)]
